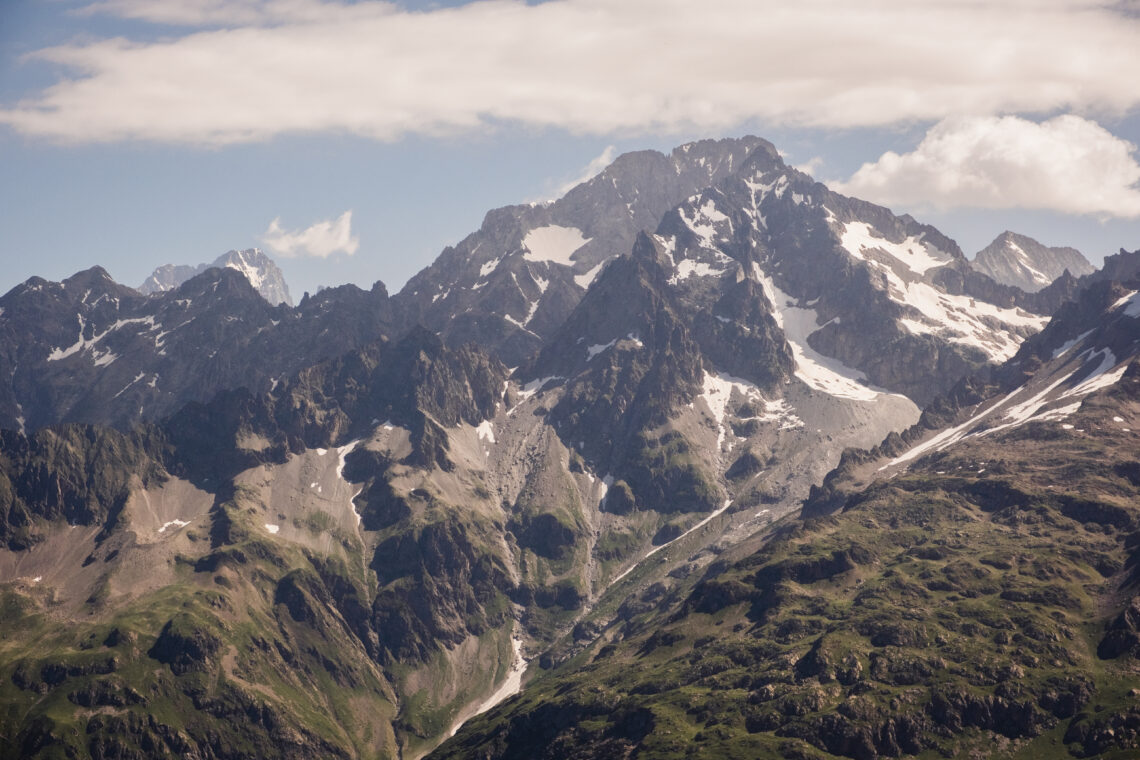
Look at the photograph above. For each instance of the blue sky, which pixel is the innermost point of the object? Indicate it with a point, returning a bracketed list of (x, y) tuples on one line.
[(353, 141)]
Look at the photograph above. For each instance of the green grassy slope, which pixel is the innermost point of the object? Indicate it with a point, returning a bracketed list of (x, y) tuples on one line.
[(981, 604)]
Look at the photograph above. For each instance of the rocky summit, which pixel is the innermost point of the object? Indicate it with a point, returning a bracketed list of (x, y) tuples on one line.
[(701, 459), (1021, 261)]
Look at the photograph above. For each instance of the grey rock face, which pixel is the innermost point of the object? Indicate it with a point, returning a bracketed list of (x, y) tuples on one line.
[(262, 273), (1022, 262)]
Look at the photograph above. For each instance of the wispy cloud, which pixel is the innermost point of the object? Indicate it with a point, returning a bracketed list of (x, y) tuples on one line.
[(592, 169), (319, 240), (231, 72), (1065, 164)]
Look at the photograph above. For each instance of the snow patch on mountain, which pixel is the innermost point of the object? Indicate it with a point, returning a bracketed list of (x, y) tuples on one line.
[(534, 386), (84, 343), (965, 320), (820, 372), (859, 238), (553, 243), (592, 351), (1102, 376), (542, 282), (173, 524), (489, 267), (486, 431), (510, 686), (342, 455), (717, 389), (708, 518), (690, 268), (123, 390), (955, 318), (704, 223)]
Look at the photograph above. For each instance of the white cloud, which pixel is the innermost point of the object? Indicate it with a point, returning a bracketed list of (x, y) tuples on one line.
[(192, 13), (319, 240), (593, 169), (811, 166), (1065, 164), (252, 69)]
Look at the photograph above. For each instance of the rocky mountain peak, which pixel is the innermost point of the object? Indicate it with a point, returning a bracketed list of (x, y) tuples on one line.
[(512, 283), (261, 271), (1022, 262)]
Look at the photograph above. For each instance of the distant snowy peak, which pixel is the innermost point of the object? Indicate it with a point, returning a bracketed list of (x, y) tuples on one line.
[(169, 277), (1022, 262), (262, 273)]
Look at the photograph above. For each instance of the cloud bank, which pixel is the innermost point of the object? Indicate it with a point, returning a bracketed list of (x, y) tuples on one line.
[(1065, 164), (319, 240), (218, 73)]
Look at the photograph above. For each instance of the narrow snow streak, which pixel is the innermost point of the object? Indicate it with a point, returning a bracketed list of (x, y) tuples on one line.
[(1068, 345), (667, 544), (342, 454), (1030, 410), (511, 685)]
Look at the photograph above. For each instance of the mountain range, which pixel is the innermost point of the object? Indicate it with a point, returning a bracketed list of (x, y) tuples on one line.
[(712, 458)]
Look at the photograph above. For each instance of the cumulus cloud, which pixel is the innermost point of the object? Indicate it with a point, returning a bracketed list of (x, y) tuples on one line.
[(217, 72), (319, 240), (1067, 164)]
